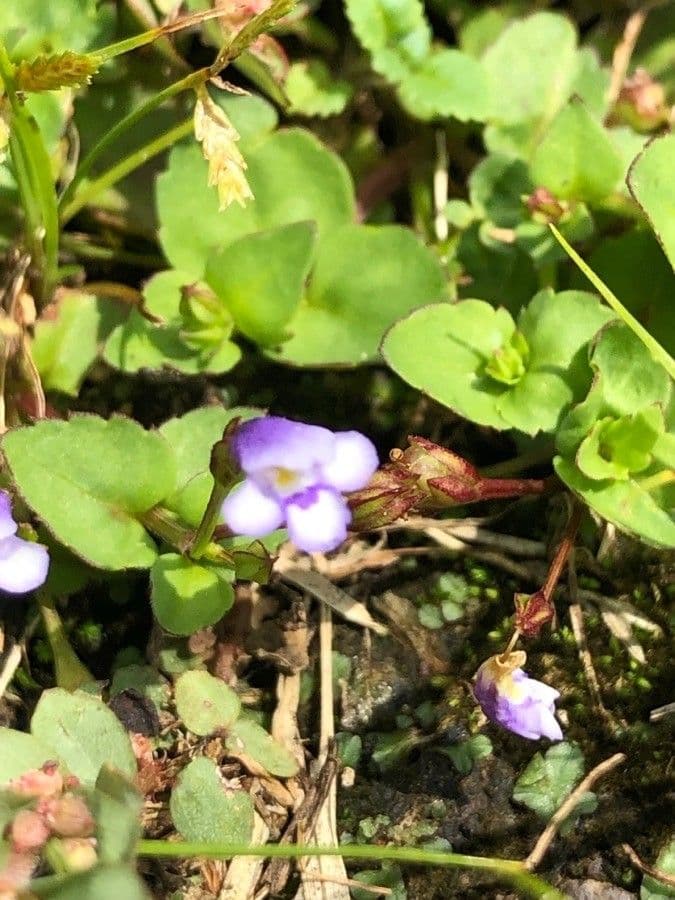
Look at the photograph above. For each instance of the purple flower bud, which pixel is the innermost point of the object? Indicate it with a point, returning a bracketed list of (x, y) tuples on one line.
[(296, 475), (515, 701), (23, 564)]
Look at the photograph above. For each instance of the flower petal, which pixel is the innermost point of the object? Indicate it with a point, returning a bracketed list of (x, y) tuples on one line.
[(23, 565), (353, 464), (7, 523), (247, 510), (272, 441), (317, 520)]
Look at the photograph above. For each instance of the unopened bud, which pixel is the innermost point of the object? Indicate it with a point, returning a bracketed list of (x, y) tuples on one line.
[(28, 831), (68, 816), (544, 206), (42, 782), (641, 103), (71, 854), (533, 611)]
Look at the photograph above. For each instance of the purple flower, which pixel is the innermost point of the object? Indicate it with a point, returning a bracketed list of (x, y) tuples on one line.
[(515, 701), (296, 474), (23, 564)]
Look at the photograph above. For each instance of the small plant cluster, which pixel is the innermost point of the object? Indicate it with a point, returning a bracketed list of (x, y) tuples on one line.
[(306, 245)]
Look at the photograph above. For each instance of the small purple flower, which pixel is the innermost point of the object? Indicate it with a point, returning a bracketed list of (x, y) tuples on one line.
[(515, 701), (23, 564), (296, 474)]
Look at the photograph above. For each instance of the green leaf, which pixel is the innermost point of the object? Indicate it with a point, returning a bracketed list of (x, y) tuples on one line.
[(442, 350), (454, 352), (138, 344), (635, 268), (246, 736), (616, 448), (99, 883), (651, 888), (395, 32), (261, 278), (365, 278), (388, 876), (64, 348), (630, 378), (294, 179), (89, 479), (116, 805), (447, 83), (84, 733), (203, 810), (35, 27), (496, 189), (314, 91), (191, 438), (548, 779), (576, 159), (187, 596), (532, 68), (650, 180), (625, 503), (505, 275), (466, 753), (204, 703), (20, 752)]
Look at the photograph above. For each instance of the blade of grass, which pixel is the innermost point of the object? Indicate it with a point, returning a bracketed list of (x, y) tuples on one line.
[(659, 353)]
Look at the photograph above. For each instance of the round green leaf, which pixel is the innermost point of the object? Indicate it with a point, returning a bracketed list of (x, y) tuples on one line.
[(187, 596), (630, 378), (443, 350), (246, 736), (625, 503), (496, 189), (448, 83), (261, 277), (20, 752), (395, 32), (314, 91), (191, 438), (533, 83), (88, 479), (203, 810), (294, 178), (204, 703), (651, 182), (64, 348), (576, 159), (84, 733), (364, 279), (548, 779)]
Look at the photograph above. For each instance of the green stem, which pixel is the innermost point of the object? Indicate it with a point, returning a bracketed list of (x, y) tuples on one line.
[(88, 250), (70, 672), (210, 519), (658, 480), (125, 167), (659, 353), (34, 178), (164, 524), (192, 80), (510, 869)]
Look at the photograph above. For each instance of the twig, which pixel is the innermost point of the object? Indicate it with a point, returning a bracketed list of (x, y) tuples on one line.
[(579, 631), (380, 890), (9, 668), (548, 834), (441, 227), (652, 871), (660, 712), (623, 52), (325, 591)]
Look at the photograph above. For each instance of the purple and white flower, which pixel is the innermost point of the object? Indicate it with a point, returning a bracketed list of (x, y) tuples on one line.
[(23, 564), (512, 699), (296, 475)]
